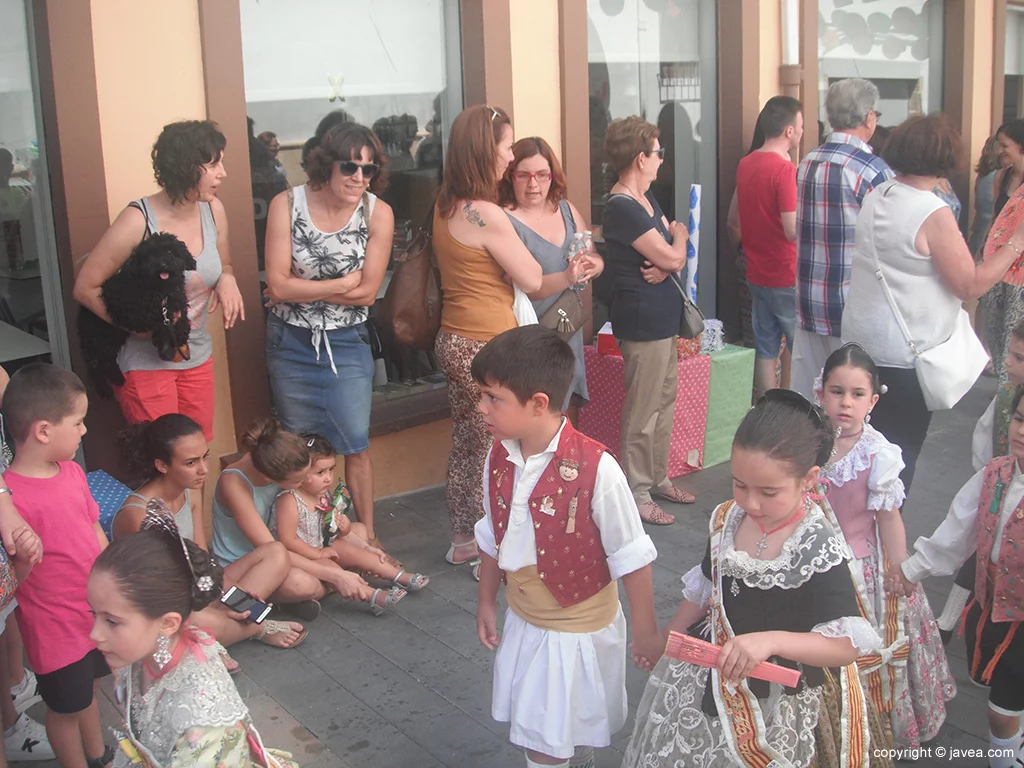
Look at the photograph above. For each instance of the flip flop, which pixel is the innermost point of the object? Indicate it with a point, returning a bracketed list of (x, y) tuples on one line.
[(651, 513), (675, 494), (271, 627)]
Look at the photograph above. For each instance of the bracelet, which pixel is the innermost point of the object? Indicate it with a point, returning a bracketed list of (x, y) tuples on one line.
[(6, 490), (1014, 248)]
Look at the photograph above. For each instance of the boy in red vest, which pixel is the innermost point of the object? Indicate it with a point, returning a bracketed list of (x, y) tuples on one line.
[(560, 528), (987, 517)]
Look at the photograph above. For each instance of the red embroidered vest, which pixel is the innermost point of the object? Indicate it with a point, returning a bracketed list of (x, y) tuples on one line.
[(570, 558), (1008, 574)]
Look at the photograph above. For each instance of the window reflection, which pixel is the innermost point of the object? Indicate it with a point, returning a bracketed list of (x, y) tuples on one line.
[(394, 67), (897, 44)]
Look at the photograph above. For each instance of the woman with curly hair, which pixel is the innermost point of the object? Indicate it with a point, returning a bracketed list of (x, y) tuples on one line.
[(328, 246), (188, 162)]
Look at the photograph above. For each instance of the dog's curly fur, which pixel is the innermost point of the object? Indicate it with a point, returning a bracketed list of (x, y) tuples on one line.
[(147, 295)]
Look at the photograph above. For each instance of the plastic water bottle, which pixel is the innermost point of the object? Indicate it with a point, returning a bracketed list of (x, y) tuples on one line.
[(581, 243)]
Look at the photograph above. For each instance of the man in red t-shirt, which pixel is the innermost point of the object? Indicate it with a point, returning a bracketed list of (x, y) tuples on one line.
[(766, 204)]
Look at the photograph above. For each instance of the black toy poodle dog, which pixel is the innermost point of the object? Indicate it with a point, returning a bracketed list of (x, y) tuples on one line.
[(146, 295)]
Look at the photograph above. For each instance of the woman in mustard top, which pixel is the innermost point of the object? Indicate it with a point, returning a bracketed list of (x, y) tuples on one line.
[(479, 256)]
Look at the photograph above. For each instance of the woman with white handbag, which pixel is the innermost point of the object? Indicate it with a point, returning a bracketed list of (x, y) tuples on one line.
[(910, 275)]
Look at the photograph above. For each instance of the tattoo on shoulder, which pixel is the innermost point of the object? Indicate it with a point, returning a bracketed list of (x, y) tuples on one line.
[(472, 214)]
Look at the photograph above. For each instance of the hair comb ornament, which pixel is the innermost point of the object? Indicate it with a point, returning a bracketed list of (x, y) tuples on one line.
[(159, 518)]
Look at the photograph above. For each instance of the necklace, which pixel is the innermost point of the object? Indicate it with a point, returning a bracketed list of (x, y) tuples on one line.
[(765, 532), (639, 198)]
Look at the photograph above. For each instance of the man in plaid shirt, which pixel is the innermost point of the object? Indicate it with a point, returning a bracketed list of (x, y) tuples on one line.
[(832, 182)]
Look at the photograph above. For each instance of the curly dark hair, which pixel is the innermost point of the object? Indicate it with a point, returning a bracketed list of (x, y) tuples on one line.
[(142, 444), (345, 141), (180, 152), (153, 575)]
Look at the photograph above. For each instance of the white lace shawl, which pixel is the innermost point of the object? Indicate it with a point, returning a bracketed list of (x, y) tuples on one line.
[(883, 460)]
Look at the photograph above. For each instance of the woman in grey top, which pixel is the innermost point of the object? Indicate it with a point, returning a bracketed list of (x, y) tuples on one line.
[(188, 161), (533, 195)]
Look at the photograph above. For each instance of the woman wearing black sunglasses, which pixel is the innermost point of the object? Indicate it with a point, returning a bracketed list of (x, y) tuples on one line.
[(328, 245)]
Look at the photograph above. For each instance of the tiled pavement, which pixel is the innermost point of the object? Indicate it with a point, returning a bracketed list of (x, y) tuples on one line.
[(412, 688)]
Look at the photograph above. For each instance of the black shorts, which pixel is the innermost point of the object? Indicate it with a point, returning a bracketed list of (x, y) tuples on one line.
[(1006, 691), (69, 689)]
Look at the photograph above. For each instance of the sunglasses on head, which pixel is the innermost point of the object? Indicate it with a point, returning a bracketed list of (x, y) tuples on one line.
[(350, 167)]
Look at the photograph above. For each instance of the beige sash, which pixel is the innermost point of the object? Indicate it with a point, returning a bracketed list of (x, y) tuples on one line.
[(533, 602)]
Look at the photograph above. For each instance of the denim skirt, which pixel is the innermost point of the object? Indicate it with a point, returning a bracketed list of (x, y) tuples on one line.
[(322, 381)]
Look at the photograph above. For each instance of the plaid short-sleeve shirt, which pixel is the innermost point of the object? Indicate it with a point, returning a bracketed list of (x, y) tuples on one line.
[(832, 181)]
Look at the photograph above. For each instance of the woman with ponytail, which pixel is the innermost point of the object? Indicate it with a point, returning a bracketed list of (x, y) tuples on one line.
[(179, 705), (274, 461), (167, 459)]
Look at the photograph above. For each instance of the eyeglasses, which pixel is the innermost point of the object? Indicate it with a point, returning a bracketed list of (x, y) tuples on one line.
[(877, 114), (350, 167), (660, 152), (525, 177)]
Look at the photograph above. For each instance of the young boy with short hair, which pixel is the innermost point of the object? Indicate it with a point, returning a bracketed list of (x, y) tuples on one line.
[(560, 528), (44, 409)]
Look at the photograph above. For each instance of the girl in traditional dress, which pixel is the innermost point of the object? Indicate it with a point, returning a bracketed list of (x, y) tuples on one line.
[(774, 585), (179, 705), (910, 679), (987, 518)]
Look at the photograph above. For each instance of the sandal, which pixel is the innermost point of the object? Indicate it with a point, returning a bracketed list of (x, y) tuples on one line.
[(102, 762), (450, 556), (417, 581), (271, 627), (675, 494), (304, 610), (230, 664), (475, 571), (651, 513), (390, 601), (392, 561)]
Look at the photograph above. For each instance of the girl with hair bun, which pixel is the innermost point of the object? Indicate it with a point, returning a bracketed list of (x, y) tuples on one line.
[(774, 586), (179, 704), (274, 461), (169, 457), (865, 493)]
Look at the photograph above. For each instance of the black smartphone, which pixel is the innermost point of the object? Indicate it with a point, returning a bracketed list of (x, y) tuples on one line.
[(240, 601)]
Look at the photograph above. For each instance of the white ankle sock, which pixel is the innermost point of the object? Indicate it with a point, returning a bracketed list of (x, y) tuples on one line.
[(1002, 748), (954, 607), (531, 764)]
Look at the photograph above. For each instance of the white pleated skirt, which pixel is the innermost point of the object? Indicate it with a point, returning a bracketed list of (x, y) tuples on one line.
[(560, 690)]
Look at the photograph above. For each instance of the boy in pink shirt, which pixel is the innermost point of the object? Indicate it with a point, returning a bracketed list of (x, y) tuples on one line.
[(44, 408)]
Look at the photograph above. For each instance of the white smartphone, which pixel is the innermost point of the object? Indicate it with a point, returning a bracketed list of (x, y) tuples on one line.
[(240, 601)]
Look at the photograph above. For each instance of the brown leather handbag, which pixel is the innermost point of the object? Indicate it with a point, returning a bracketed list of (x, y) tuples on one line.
[(410, 312)]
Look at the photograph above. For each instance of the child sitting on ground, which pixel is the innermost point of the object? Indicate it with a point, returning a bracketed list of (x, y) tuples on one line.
[(44, 407), (561, 526), (298, 523)]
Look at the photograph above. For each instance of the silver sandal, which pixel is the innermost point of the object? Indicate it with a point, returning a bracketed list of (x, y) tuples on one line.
[(390, 601), (417, 581), (271, 627)]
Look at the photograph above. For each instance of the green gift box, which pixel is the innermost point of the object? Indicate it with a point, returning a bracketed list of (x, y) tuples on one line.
[(729, 392)]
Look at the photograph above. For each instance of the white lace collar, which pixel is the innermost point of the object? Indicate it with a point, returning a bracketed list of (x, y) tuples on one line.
[(843, 470), (813, 547)]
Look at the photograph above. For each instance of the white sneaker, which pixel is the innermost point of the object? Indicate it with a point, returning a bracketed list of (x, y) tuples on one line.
[(27, 693), (26, 740)]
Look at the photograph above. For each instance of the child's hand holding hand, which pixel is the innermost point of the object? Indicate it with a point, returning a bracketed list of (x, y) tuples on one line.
[(740, 655), (18, 538), (896, 583), (648, 650), (487, 623)]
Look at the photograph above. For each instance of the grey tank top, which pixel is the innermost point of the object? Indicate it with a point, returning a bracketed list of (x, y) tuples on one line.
[(140, 354), (183, 517)]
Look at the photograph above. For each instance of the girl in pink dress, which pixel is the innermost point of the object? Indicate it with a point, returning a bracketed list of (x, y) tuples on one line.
[(910, 678)]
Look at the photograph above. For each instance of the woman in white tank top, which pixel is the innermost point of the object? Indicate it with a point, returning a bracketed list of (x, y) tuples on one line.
[(927, 266)]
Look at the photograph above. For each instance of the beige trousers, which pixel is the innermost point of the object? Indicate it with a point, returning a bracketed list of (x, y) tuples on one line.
[(648, 413)]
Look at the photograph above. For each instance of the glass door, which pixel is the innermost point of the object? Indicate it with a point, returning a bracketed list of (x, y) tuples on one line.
[(32, 326)]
